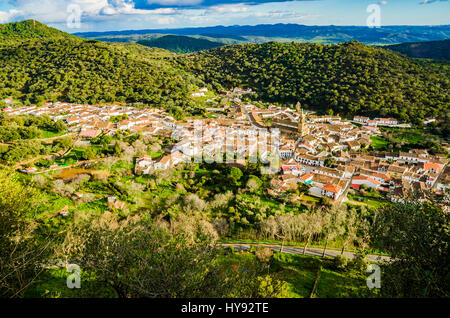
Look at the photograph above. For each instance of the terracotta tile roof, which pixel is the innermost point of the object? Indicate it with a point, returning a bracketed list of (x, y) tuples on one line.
[(334, 188)]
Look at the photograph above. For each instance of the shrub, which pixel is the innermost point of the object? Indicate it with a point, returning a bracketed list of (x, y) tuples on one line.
[(264, 254), (340, 262), (360, 262)]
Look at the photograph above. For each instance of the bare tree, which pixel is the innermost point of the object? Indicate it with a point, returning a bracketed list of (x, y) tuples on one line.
[(351, 233), (39, 180), (222, 226), (139, 147), (333, 223), (269, 227), (313, 225)]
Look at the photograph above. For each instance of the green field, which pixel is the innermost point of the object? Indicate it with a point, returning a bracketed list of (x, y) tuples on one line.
[(52, 134), (378, 143), (300, 273), (369, 201)]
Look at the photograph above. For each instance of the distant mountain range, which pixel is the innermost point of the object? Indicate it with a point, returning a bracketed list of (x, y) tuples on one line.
[(438, 50), (292, 32)]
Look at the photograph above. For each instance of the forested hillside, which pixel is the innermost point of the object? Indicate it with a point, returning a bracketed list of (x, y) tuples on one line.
[(29, 29), (38, 64), (180, 44), (439, 50), (349, 78), (76, 70)]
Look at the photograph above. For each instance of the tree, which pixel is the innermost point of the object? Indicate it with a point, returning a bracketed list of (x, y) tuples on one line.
[(329, 162), (235, 175), (60, 126), (313, 225), (253, 184), (137, 258), (416, 235), (333, 223), (21, 252), (351, 232), (88, 154), (117, 150), (64, 143)]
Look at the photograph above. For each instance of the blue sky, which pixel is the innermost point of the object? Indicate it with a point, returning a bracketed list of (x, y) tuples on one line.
[(103, 15)]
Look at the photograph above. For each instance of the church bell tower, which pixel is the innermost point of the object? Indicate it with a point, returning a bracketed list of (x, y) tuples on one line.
[(303, 129)]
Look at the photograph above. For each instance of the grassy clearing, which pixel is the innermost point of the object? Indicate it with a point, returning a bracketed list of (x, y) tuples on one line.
[(333, 284), (359, 200), (51, 134), (156, 155), (378, 143), (300, 272), (53, 284), (309, 198)]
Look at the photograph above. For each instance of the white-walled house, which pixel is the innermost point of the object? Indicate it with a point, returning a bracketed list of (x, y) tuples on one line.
[(369, 182)]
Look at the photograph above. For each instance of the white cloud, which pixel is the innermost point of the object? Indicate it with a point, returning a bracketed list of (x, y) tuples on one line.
[(228, 8), (55, 11), (102, 15), (165, 20), (175, 2), (6, 16)]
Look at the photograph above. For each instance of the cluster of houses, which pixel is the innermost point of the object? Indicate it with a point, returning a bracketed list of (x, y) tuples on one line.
[(213, 140), (322, 152), (398, 175), (375, 122), (319, 151), (89, 121), (200, 93)]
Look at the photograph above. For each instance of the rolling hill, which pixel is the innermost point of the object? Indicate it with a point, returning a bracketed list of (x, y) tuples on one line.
[(180, 44), (39, 64), (29, 29), (66, 68), (348, 79), (439, 50)]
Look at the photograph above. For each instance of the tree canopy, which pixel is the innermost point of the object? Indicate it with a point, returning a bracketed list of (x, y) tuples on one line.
[(349, 78), (91, 72)]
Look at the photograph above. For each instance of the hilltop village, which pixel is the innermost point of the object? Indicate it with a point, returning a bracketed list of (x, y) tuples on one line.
[(327, 154)]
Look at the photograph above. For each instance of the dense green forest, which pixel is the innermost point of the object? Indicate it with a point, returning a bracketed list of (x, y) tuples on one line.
[(29, 29), (38, 64), (349, 78), (71, 69), (93, 72), (180, 44), (439, 50)]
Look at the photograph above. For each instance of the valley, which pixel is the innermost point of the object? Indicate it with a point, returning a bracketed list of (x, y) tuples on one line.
[(269, 170)]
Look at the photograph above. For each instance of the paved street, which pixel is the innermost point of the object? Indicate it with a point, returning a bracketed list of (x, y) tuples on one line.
[(309, 251)]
